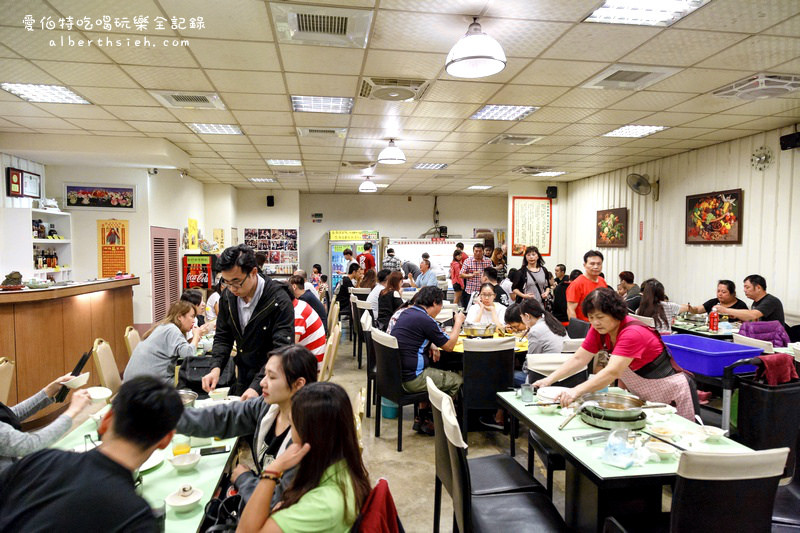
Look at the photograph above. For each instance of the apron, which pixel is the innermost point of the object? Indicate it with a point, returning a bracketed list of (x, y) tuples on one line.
[(661, 380)]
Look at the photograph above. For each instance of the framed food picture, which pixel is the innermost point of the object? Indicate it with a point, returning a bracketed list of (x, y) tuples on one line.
[(108, 197), (714, 217), (612, 228)]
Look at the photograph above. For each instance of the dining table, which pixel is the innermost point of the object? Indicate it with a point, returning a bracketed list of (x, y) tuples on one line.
[(596, 490), (160, 480), (695, 328)]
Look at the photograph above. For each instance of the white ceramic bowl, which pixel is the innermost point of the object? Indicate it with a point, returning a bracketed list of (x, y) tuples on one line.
[(185, 462), (549, 394), (713, 434), (77, 381), (547, 409), (664, 451), (184, 499), (99, 394), (663, 432), (219, 394)]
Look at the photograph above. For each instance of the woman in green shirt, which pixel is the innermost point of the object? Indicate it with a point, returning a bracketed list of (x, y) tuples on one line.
[(331, 484)]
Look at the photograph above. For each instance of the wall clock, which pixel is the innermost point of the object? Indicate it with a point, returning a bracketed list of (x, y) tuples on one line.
[(761, 158)]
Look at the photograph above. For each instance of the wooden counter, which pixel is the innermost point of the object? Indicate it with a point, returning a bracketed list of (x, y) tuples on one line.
[(46, 331)]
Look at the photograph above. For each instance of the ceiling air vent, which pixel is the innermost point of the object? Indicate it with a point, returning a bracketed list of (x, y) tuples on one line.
[(629, 77), (321, 26), (523, 140), (322, 132), (363, 165), (392, 89), (188, 100), (760, 86), (530, 170), (289, 174)]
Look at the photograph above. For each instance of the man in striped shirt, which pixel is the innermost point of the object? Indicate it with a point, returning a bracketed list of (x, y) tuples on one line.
[(308, 329), (471, 272)]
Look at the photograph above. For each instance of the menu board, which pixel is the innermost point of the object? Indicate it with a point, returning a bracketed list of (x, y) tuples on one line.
[(531, 224), (279, 245), (112, 247)]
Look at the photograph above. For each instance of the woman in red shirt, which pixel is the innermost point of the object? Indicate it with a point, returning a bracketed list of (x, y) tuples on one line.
[(455, 275), (637, 356)]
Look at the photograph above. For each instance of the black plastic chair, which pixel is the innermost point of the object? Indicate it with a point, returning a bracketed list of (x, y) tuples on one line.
[(715, 492), (507, 511), (371, 371), (389, 382), (577, 328), (786, 512), (488, 369), (493, 474)]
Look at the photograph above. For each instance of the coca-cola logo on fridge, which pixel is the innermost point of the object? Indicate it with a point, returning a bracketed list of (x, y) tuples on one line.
[(197, 271)]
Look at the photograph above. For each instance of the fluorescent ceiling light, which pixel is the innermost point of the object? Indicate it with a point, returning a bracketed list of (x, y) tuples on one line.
[(391, 155), (549, 174), (381, 185), (644, 12), (284, 162), (475, 55), (322, 104), (262, 180), (367, 186), (52, 94), (503, 112), (633, 130), (216, 129), (429, 166), (479, 187)]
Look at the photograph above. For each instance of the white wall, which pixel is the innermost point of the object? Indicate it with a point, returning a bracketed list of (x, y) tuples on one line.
[(11, 222), (771, 220), (84, 227), (252, 211), (173, 200), (558, 225), (220, 202), (392, 216)]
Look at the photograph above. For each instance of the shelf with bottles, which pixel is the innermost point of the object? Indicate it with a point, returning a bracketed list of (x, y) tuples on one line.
[(51, 242), (45, 224)]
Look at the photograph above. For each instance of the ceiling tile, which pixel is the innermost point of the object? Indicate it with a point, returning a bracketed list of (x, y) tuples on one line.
[(244, 19), (559, 114), (720, 121), (668, 118), (115, 96), (590, 98), (408, 31), (393, 64), (557, 10), (140, 113), (615, 116), (43, 122), (523, 38), (536, 95), (22, 71), (599, 42), (759, 52), (321, 59), (203, 116), (536, 128), (321, 120), (460, 91), (699, 80), (769, 106), (256, 102), (247, 82), (169, 78), (705, 103), (159, 127), (76, 111), (321, 85), (263, 117), (20, 108), (739, 15), (554, 72), (101, 125), (235, 55), (95, 74), (682, 47), (36, 45), (651, 101), (789, 28), (445, 110)]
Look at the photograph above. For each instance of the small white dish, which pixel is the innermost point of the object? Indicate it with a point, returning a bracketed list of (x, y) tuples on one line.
[(219, 394), (77, 381), (184, 499), (713, 434), (155, 459), (99, 394), (547, 409), (664, 451), (549, 394), (185, 462)]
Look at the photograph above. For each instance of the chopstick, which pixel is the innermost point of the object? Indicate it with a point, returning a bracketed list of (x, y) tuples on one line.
[(666, 441), (541, 404), (592, 435)]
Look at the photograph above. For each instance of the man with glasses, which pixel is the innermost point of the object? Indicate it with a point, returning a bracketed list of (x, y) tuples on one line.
[(256, 313)]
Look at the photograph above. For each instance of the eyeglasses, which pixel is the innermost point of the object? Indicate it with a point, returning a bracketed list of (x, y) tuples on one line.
[(234, 284)]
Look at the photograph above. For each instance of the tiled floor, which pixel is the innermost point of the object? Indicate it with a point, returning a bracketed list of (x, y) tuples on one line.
[(411, 472)]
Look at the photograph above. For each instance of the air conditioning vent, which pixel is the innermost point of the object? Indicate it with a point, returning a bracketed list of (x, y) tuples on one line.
[(629, 77), (188, 100), (530, 170), (760, 86), (289, 175), (363, 165), (321, 26), (523, 140), (322, 132), (392, 89)]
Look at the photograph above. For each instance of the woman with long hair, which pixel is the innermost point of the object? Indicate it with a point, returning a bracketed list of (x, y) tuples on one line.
[(654, 304), (533, 281), (165, 343), (369, 280), (455, 274), (545, 333), (331, 484), (389, 300), (485, 310), (288, 370), (499, 263)]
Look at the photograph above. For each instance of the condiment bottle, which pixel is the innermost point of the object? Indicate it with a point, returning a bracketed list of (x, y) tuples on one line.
[(713, 320)]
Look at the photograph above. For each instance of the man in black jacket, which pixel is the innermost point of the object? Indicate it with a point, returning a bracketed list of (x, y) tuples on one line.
[(255, 312)]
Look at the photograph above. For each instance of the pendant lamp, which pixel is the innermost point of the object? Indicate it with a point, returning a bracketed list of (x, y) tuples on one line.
[(476, 55)]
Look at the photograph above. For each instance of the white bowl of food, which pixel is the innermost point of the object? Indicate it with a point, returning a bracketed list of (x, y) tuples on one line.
[(185, 462), (99, 394), (184, 499), (664, 451), (713, 434), (219, 394), (547, 409), (662, 431)]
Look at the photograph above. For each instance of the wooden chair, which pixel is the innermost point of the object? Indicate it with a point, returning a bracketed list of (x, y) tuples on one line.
[(131, 339), (6, 377), (333, 316), (358, 412), (749, 341), (331, 349), (646, 320), (106, 365)]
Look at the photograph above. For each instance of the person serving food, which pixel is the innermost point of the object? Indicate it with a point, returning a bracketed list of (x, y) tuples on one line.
[(637, 356)]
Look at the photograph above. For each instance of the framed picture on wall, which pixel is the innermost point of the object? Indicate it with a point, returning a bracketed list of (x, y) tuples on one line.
[(13, 182), (106, 197), (714, 217), (31, 185), (612, 228)]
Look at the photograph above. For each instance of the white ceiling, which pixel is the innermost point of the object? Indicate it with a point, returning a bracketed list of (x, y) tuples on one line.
[(550, 54)]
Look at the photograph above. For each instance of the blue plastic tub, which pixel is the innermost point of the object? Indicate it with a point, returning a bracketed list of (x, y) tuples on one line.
[(708, 357), (388, 408)]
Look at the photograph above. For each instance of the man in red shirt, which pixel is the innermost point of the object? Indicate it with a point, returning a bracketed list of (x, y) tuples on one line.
[(471, 271), (585, 283), (308, 329), (366, 260)]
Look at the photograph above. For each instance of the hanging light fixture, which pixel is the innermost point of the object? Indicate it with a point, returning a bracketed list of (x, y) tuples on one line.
[(367, 185), (391, 155), (475, 55)]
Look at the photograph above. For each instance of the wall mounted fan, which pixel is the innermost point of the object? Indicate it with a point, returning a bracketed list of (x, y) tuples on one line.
[(640, 184)]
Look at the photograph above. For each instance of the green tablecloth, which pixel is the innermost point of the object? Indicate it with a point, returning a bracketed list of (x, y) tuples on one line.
[(689, 437), (702, 329), (163, 480)]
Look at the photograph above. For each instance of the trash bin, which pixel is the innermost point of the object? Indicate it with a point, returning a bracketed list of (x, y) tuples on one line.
[(388, 408)]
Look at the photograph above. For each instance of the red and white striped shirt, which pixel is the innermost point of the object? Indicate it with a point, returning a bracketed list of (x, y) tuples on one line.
[(308, 329)]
